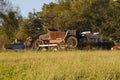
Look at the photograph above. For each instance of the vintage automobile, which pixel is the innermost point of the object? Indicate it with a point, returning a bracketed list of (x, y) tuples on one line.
[(57, 39)]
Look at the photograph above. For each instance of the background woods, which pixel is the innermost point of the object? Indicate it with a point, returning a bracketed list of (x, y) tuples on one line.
[(92, 15)]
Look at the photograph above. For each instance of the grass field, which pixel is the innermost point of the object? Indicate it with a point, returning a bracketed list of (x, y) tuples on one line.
[(63, 65)]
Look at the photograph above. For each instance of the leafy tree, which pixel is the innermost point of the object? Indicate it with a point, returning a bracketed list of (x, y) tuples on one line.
[(10, 18), (32, 26)]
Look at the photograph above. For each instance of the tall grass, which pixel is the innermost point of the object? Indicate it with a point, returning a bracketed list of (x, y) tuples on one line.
[(63, 65)]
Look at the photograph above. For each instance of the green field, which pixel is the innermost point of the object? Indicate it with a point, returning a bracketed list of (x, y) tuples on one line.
[(60, 65)]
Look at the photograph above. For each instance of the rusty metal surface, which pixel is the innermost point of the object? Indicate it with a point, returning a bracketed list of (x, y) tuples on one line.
[(55, 35)]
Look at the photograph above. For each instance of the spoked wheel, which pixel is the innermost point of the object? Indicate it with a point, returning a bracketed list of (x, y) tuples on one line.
[(71, 42), (38, 42)]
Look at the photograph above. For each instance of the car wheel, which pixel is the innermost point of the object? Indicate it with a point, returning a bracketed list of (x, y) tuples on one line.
[(72, 42)]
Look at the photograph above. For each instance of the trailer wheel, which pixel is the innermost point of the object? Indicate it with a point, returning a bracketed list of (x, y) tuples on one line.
[(38, 42), (71, 42)]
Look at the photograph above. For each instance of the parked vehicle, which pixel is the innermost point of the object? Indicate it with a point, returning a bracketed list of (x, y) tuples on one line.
[(94, 40), (57, 39), (17, 44)]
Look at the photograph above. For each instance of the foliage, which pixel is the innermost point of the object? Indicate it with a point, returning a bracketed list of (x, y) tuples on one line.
[(32, 26), (14, 26), (10, 18), (86, 15), (10, 25)]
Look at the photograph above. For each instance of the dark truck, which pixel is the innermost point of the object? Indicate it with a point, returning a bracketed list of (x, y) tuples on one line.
[(94, 40)]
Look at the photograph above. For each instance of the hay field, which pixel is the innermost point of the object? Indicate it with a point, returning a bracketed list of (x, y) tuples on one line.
[(60, 65)]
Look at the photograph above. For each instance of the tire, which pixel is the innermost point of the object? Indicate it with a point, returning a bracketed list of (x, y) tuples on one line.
[(71, 42), (62, 46), (54, 48), (38, 42)]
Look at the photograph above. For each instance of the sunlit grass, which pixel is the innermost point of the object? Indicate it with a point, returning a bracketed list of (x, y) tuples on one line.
[(60, 65)]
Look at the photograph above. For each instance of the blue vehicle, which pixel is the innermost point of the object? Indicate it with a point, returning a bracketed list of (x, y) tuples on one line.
[(17, 44)]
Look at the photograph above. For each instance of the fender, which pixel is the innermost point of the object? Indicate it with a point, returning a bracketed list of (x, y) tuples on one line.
[(115, 47)]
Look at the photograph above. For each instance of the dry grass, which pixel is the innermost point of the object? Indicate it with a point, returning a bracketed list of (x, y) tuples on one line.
[(63, 65)]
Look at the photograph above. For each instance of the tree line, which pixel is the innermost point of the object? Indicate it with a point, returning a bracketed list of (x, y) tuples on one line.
[(86, 15)]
